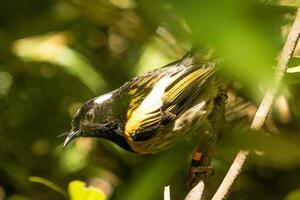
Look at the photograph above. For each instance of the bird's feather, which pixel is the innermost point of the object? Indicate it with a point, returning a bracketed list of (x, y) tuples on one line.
[(164, 93)]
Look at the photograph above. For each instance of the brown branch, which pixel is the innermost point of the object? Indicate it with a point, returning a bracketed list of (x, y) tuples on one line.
[(263, 110)]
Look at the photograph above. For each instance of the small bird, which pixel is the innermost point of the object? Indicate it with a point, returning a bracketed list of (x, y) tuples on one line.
[(152, 111)]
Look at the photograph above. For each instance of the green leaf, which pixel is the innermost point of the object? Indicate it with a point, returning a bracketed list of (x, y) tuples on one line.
[(293, 69), (79, 191), (240, 31), (294, 62), (292, 73), (294, 65), (294, 195), (48, 183)]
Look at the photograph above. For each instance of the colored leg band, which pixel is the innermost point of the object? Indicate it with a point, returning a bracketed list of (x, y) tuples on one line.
[(196, 158)]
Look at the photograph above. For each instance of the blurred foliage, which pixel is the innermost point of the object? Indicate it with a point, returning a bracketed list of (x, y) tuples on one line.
[(293, 195), (56, 54), (47, 183)]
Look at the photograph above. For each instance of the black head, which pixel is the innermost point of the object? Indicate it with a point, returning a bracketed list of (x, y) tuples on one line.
[(96, 118), (90, 117)]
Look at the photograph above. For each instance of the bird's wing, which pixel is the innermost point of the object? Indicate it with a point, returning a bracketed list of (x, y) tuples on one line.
[(162, 93), (147, 91), (188, 89)]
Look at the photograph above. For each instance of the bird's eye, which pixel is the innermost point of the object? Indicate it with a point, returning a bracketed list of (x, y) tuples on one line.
[(89, 116)]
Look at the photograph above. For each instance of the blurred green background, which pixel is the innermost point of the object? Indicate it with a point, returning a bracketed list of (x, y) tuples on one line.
[(56, 54)]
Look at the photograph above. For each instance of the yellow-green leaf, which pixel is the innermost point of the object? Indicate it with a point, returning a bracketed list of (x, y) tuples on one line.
[(294, 195), (47, 183), (79, 191)]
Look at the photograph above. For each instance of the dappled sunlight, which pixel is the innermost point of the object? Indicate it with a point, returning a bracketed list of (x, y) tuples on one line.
[(52, 48), (57, 55)]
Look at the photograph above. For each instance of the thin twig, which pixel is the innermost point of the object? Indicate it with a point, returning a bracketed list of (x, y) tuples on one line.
[(167, 195), (197, 192), (263, 110)]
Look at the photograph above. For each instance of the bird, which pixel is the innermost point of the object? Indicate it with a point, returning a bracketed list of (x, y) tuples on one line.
[(154, 110)]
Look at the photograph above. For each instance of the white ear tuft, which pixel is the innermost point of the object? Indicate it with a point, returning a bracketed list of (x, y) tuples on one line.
[(103, 98)]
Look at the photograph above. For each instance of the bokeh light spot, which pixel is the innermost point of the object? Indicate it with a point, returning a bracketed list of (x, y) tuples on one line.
[(6, 81)]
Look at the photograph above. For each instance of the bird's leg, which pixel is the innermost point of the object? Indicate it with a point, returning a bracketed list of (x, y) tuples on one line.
[(200, 166), (201, 162)]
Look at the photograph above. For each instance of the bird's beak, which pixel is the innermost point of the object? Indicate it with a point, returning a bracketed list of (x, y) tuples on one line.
[(72, 135)]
